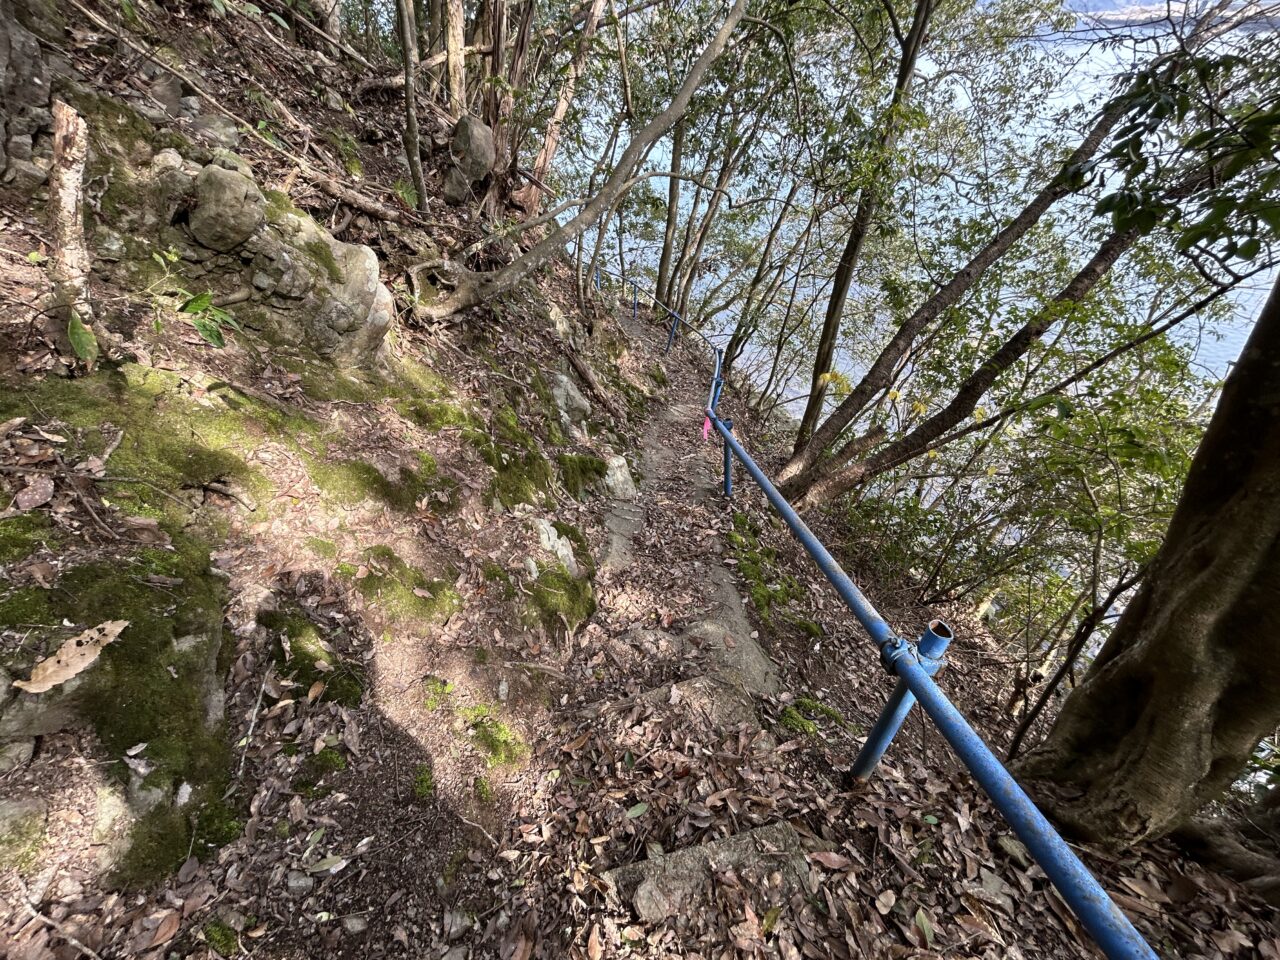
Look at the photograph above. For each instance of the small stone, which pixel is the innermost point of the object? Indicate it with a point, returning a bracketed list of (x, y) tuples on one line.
[(298, 883), (332, 100), (218, 130), (456, 923), (504, 690), (15, 754), (559, 547), (575, 409), (25, 176), (618, 481), (531, 567), (355, 925), (263, 281)]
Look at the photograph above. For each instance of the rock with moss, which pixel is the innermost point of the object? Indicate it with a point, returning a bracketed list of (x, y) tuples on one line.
[(22, 833), (581, 474), (560, 601), (521, 472)]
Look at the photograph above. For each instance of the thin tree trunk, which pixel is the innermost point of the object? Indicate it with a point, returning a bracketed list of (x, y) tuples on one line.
[(868, 203), (530, 197), (673, 211), (412, 144)]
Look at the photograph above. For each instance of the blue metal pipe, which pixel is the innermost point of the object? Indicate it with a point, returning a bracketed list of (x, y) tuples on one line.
[(1109, 927), (728, 464), (871, 621), (932, 645), (671, 337)]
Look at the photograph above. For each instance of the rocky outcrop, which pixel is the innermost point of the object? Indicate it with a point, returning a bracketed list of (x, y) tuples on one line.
[(25, 119), (276, 270)]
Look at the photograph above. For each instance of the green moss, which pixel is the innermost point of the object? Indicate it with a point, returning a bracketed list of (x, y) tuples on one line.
[(495, 574), (496, 741), (767, 585), (349, 151), (810, 627), (557, 598), (439, 693), (819, 711), (424, 782), (322, 548), (20, 846), (282, 828), (310, 778), (28, 606), (480, 655), (521, 472), (279, 205), (581, 473), (434, 415), (223, 939), (403, 593), (343, 679), (794, 721), (353, 481), (322, 254), (484, 790), (158, 845)]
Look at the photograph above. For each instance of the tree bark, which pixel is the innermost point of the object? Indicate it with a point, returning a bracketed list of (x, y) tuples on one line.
[(1185, 687), (455, 57), (412, 143), (530, 197), (69, 320)]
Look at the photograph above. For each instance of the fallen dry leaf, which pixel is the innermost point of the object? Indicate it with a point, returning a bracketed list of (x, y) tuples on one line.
[(37, 492), (72, 657)]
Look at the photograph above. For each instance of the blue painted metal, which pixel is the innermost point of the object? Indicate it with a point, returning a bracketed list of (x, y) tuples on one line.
[(929, 650), (1109, 927), (671, 337), (728, 464), (635, 300)]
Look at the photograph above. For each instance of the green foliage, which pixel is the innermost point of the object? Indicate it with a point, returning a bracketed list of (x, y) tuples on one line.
[(439, 693), (407, 193), (222, 939), (767, 585)]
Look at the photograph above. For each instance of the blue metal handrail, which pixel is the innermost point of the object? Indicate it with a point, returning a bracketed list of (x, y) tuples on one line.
[(914, 664)]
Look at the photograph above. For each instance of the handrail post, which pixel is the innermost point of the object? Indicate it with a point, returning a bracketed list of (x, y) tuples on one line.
[(932, 645), (671, 337), (728, 464), (635, 300)]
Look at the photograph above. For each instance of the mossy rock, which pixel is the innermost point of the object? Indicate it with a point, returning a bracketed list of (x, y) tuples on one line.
[(581, 473), (22, 837), (521, 472), (558, 599), (400, 593), (310, 659)]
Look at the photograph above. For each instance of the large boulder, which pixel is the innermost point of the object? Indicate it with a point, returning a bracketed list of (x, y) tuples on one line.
[(24, 101), (472, 152), (228, 209)]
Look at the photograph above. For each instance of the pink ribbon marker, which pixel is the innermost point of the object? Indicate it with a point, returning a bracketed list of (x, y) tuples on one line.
[(706, 427)]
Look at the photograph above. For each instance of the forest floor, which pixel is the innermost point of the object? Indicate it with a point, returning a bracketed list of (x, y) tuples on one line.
[(483, 774)]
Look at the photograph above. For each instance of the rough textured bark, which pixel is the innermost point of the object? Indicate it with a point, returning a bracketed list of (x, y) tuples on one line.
[(455, 56), (530, 197), (70, 262), (1185, 687), (412, 144)]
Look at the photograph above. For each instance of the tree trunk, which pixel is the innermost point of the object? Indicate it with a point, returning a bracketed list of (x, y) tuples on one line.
[(69, 320), (330, 12), (412, 144), (868, 203), (1185, 687), (455, 57), (530, 197), (472, 288), (673, 211)]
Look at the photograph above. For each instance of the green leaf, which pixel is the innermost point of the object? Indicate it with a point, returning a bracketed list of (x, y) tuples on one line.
[(209, 331), (198, 304), (83, 342), (639, 810), (930, 819), (35, 256)]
